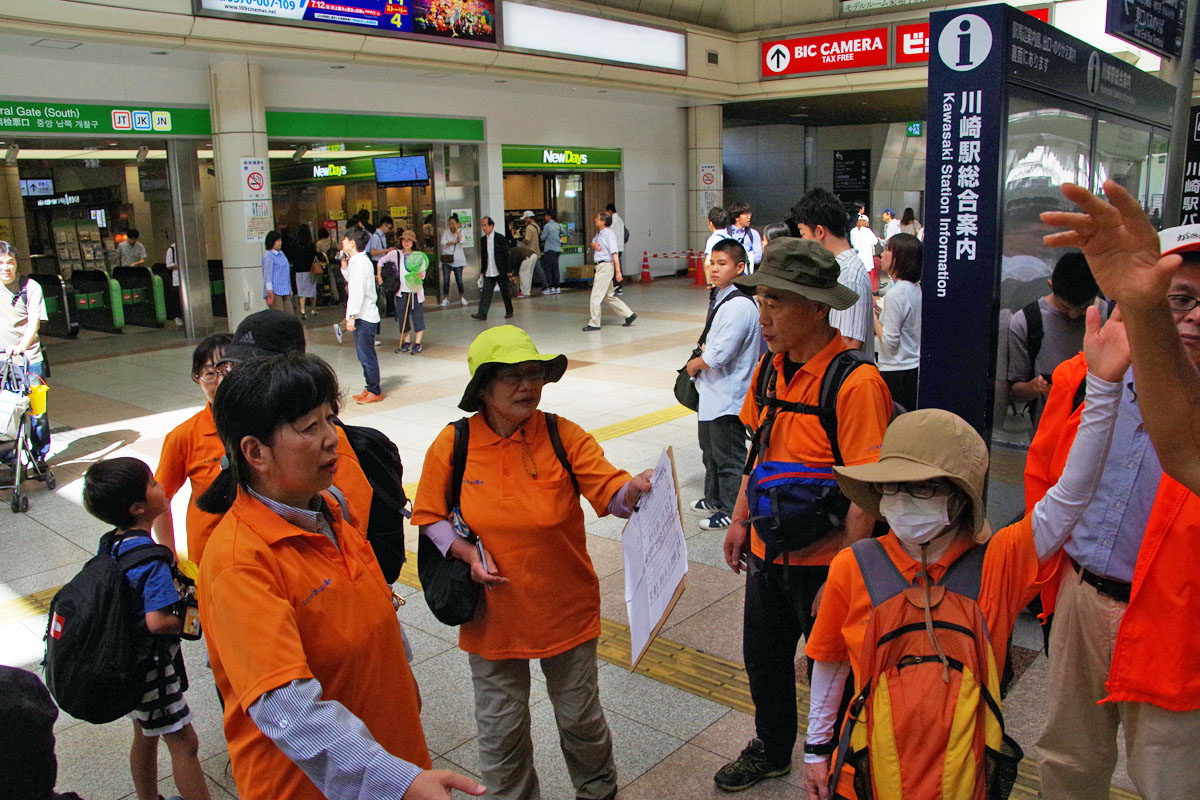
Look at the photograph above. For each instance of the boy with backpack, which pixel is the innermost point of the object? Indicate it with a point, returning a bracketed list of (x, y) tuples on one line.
[(921, 614), (123, 492), (726, 354)]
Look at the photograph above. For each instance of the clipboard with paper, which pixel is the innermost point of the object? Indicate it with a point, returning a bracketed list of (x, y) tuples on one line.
[(655, 556)]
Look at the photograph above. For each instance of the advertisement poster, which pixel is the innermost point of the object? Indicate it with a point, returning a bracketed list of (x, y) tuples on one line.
[(466, 225), (449, 21)]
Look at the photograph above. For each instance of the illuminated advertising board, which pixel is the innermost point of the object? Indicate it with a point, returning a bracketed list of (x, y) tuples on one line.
[(470, 22)]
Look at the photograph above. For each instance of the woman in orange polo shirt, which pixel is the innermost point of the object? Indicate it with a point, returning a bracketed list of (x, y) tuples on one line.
[(928, 486), (305, 646), (193, 452), (543, 596)]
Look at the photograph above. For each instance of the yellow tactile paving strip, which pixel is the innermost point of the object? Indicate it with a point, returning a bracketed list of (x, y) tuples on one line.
[(694, 671)]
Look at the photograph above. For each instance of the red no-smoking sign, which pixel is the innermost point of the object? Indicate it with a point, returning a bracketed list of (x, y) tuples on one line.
[(255, 181)]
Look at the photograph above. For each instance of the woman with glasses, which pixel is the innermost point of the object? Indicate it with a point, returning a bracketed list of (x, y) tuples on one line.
[(928, 486), (193, 451), (542, 598)]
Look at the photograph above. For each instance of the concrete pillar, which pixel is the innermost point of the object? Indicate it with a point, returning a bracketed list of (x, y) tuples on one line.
[(188, 212), (12, 215), (704, 148), (239, 131)]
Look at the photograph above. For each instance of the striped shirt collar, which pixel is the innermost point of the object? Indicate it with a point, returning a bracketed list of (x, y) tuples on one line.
[(303, 518)]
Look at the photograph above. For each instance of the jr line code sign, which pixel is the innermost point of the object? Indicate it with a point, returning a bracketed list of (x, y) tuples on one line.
[(825, 52)]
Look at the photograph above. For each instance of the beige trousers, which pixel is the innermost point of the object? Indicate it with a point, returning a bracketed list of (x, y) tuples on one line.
[(283, 302), (1078, 746), (502, 719), (603, 292)]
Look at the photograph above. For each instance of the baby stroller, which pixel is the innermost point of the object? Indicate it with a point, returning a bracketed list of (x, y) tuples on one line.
[(17, 448)]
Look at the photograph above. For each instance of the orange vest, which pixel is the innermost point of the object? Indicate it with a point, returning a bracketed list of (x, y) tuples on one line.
[(1157, 650)]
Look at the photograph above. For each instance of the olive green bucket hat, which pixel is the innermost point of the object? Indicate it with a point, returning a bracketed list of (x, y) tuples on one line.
[(921, 446), (803, 267), (502, 346)]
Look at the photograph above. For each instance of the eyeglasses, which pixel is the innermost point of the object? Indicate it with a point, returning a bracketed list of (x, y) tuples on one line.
[(515, 377), (214, 373), (1182, 303), (922, 490)]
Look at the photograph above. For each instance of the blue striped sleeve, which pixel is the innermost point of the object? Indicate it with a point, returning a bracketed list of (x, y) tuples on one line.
[(331, 745)]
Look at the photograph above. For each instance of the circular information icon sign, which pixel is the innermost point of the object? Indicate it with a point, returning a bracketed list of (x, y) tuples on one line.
[(965, 42)]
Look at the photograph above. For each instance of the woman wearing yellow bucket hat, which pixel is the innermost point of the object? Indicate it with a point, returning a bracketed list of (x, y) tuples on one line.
[(543, 601), (928, 486)]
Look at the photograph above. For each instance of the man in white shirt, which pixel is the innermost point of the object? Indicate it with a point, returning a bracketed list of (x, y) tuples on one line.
[(718, 221), (608, 260), (618, 229), (131, 252), (362, 313), (822, 217), (494, 267), (740, 214), (891, 225)]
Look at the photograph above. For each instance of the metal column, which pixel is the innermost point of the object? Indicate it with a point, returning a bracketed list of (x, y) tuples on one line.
[(194, 287)]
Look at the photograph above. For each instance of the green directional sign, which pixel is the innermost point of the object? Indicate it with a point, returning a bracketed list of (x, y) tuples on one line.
[(29, 116), (915, 128)]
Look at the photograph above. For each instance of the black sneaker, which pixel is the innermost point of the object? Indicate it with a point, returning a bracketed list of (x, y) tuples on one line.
[(750, 768), (718, 521), (629, 320)]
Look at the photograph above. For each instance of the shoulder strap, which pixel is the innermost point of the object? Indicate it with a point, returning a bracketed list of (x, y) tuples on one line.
[(712, 317), (21, 293), (1080, 394), (559, 450), (764, 388), (458, 466), (1035, 332), (341, 500), (836, 373), (142, 554), (883, 580), (965, 575)]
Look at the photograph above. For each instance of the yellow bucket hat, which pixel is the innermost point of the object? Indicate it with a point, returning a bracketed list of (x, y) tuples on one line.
[(920, 446), (502, 346)]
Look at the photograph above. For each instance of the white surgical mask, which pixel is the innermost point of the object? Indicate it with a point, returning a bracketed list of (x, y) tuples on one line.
[(914, 520)]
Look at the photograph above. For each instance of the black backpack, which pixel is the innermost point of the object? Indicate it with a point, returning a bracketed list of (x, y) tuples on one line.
[(380, 462), (96, 650)]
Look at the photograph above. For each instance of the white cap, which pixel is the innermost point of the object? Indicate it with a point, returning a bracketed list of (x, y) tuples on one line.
[(1181, 239), (864, 218), (527, 214)]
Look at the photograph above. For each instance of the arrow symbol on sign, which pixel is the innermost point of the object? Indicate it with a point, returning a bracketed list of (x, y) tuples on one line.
[(778, 58)]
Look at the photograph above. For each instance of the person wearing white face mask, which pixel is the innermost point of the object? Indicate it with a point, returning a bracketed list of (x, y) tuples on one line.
[(939, 559)]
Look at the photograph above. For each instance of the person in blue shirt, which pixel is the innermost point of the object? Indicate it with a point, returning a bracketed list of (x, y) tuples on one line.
[(123, 493), (722, 373), (277, 275)]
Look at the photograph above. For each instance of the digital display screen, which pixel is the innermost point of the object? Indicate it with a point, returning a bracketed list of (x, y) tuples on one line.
[(472, 22), (37, 187), (401, 171)]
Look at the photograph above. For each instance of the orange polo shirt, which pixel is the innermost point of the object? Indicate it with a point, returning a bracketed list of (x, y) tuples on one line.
[(280, 604), (192, 452), (864, 408), (533, 528), (1011, 578)]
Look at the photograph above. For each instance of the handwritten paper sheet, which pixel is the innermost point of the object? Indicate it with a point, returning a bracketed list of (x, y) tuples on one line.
[(656, 559)]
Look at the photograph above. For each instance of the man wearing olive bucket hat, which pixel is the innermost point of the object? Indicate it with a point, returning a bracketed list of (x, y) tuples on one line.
[(928, 485), (785, 532)]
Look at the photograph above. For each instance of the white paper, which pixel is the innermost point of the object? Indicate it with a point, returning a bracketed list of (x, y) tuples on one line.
[(655, 556)]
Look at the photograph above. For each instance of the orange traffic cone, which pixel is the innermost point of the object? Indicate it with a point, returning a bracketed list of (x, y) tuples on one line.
[(645, 277), (701, 279)]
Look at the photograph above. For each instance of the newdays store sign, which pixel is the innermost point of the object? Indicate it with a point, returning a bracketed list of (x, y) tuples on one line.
[(539, 157)]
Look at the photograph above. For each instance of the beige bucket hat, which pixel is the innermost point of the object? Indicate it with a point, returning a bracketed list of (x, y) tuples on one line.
[(920, 446)]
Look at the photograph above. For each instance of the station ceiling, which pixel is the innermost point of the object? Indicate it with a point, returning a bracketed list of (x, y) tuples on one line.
[(860, 108), (735, 16)]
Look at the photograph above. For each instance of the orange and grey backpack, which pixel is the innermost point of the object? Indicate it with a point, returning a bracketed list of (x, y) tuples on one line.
[(926, 723)]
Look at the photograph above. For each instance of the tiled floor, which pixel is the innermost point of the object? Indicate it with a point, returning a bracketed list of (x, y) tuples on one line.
[(107, 400)]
